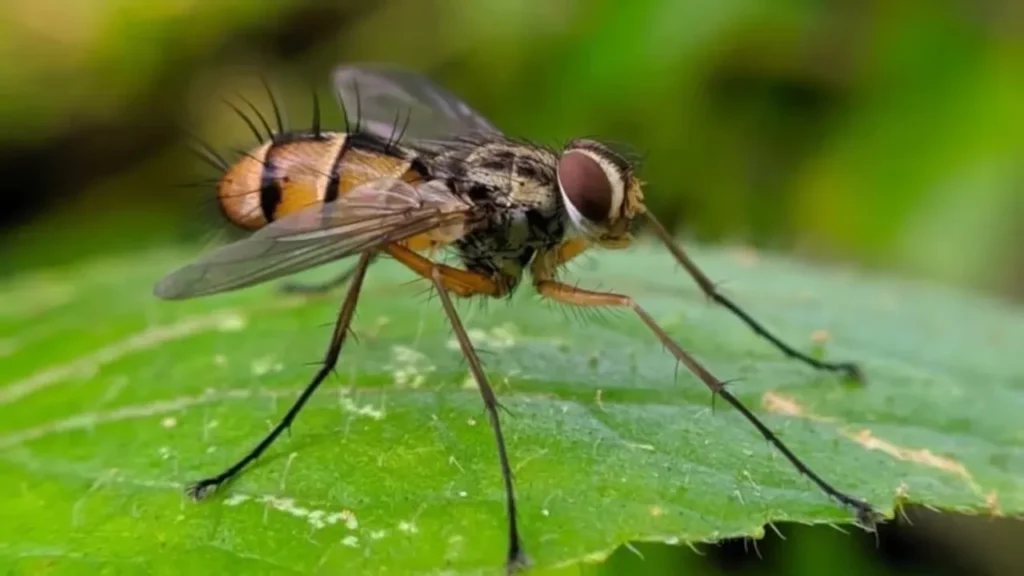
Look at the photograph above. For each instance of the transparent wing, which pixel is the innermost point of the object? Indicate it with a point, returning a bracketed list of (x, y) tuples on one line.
[(384, 97), (366, 218)]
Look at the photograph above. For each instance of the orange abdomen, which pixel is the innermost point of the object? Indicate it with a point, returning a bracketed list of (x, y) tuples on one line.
[(287, 175)]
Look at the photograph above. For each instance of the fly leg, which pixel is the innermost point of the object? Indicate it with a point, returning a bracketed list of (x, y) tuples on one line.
[(564, 293), (200, 489), (318, 288), (849, 369), (462, 283), (465, 283)]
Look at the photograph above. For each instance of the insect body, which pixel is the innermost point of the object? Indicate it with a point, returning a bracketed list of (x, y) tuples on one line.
[(446, 178)]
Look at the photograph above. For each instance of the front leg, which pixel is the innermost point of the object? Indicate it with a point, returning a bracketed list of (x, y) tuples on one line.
[(547, 262), (567, 294)]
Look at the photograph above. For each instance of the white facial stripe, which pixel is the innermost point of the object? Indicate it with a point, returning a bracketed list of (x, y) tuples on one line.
[(582, 224), (617, 185)]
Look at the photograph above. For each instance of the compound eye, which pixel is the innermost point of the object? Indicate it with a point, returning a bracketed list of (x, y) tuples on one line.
[(585, 184)]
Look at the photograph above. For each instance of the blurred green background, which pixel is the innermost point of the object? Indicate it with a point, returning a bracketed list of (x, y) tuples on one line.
[(885, 134)]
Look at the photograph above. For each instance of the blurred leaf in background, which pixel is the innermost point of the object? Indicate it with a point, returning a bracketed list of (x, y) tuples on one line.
[(887, 133)]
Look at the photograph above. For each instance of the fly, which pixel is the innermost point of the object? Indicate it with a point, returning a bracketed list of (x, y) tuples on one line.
[(442, 178)]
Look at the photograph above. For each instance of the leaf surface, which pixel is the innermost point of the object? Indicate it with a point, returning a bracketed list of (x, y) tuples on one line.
[(111, 400)]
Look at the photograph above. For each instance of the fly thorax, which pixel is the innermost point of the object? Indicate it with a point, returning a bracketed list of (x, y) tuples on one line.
[(517, 230)]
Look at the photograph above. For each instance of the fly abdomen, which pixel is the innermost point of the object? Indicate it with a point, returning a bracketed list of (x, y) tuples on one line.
[(238, 191), (278, 178), (295, 171)]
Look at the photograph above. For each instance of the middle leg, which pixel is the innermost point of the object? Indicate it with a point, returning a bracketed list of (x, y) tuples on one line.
[(465, 283)]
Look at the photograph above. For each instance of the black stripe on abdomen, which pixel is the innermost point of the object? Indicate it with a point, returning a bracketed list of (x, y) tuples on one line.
[(270, 187), (331, 192)]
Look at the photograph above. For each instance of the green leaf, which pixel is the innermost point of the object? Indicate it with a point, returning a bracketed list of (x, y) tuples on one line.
[(110, 400)]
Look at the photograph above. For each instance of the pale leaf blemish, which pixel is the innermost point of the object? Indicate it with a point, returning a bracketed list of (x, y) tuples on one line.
[(378, 534), (165, 452), (265, 365), (378, 326), (471, 422), (820, 337), (780, 404), (233, 322), (350, 541), (638, 446), (463, 493), (349, 517), (316, 518), (545, 512), (236, 499), (88, 364), (169, 422), (656, 511), (409, 367), (497, 338), (867, 439), (368, 410), (89, 420), (220, 360), (408, 527)]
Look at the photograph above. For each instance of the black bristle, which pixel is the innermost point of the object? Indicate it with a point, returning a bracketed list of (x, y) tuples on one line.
[(273, 104), (248, 122), (208, 154), (259, 115), (316, 115), (355, 88)]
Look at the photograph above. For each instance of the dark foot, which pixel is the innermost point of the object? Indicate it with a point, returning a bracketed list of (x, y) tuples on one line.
[(867, 517), (851, 371), (517, 560), (203, 488)]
